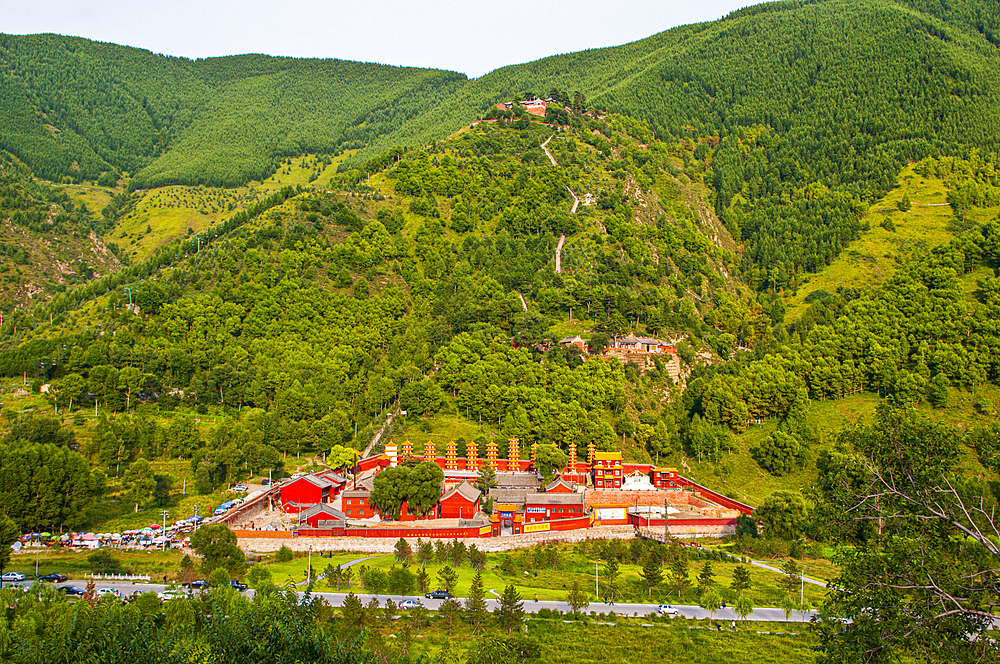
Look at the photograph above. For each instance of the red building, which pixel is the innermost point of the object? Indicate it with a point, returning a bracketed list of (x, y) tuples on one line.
[(307, 490), (506, 520), (462, 502), (663, 478), (560, 486), (608, 470), (356, 504), (552, 506), (323, 516)]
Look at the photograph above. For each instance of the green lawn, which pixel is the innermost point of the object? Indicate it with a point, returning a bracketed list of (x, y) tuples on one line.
[(630, 641), (555, 583), (74, 564)]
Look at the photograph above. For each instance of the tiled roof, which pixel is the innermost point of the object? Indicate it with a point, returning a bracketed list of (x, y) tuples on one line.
[(505, 479), (554, 499), (556, 483), (322, 508), (512, 496), (465, 490), (321, 482)]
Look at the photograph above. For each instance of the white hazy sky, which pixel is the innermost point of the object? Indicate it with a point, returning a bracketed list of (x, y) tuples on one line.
[(471, 37)]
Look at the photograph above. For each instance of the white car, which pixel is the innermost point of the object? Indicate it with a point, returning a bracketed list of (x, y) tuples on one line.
[(409, 604), (101, 592), (172, 593), (666, 610), (12, 576)]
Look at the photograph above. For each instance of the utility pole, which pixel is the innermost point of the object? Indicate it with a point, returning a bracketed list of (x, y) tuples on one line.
[(309, 568), (666, 520), (597, 581)]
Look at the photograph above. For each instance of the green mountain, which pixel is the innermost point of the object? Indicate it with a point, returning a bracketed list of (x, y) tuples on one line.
[(750, 152), (811, 108), (432, 287)]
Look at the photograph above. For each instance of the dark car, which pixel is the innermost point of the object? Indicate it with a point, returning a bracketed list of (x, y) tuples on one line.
[(71, 590), (53, 578), (196, 585), (236, 585), (438, 594)]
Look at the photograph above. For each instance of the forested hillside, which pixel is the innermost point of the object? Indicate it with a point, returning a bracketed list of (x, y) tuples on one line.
[(315, 311), (808, 108), (83, 110), (47, 242)]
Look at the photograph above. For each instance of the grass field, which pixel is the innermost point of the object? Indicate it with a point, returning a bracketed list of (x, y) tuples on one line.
[(627, 641), (871, 259), (554, 583), (74, 564)]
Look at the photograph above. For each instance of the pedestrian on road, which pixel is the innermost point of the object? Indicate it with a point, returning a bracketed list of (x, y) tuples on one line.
[(536, 597)]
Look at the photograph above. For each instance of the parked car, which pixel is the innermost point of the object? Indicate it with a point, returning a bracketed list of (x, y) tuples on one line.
[(172, 593), (438, 594), (666, 610), (240, 487), (101, 592), (71, 590), (53, 578), (196, 585), (236, 585), (12, 576), (409, 604)]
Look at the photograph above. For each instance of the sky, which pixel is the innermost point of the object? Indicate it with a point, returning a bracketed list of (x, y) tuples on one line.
[(470, 37)]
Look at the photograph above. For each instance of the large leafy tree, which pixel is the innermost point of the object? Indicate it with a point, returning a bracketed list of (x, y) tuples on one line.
[(783, 514), (217, 545), (924, 581), (419, 487)]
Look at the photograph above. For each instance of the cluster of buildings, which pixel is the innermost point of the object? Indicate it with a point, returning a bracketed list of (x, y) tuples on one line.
[(643, 350), (531, 106), (603, 490)]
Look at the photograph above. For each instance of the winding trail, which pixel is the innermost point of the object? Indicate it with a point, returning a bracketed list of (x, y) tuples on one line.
[(576, 201), (562, 241), (547, 153)]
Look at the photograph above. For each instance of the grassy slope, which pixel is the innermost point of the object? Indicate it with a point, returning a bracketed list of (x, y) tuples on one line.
[(872, 258)]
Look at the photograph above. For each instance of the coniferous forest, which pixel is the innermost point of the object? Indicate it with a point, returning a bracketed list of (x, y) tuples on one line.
[(215, 270)]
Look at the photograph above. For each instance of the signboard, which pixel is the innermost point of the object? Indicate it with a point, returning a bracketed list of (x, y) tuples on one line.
[(506, 515), (536, 527), (610, 513), (486, 530), (536, 510)]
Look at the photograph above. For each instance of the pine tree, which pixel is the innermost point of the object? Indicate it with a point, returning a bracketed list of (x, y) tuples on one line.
[(403, 551), (741, 579), (447, 577), (610, 576), (577, 598), (706, 578), (510, 613), (791, 581), (651, 572), (450, 610), (680, 579), (353, 613), (423, 579), (475, 605)]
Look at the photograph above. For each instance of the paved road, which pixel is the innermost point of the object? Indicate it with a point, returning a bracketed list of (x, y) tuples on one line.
[(531, 606), (757, 563)]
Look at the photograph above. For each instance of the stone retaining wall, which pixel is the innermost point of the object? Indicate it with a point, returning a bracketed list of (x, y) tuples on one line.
[(387, 545)]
